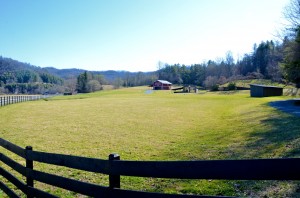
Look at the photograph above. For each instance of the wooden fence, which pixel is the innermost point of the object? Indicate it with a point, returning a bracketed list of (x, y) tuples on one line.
[(256, 169), (7, 100)]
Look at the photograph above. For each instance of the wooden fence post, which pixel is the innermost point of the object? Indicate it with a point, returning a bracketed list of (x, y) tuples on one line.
[(29, 165), (114, 180)]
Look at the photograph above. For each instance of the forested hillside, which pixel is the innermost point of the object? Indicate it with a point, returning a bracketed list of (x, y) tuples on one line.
[(23, 78)]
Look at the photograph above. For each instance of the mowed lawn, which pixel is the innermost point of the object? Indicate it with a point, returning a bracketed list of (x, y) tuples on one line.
[(158, 126)]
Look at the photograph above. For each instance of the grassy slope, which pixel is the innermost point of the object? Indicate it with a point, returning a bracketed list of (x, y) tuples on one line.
[(158, 126)]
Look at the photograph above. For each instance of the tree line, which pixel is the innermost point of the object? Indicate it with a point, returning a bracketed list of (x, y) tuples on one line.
[(291, 60), (277, 61), (92, 81), (263, 62)]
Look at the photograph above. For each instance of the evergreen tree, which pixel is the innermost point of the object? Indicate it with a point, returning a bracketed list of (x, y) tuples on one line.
[(82, 83), (291, 62)]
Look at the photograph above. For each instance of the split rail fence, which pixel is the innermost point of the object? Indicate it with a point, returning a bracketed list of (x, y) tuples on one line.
[(256, 169), (7, 100)]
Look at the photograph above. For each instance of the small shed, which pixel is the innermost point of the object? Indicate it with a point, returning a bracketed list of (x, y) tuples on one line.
[(161, 85), (265, 91)]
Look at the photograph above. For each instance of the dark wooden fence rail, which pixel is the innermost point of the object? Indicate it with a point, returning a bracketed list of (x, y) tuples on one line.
[(256, 169), (7, 100)]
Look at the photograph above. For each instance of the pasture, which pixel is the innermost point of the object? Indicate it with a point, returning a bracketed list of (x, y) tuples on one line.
[(158, 126)]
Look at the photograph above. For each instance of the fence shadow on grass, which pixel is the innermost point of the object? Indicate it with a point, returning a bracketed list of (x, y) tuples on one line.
[(279, 138)]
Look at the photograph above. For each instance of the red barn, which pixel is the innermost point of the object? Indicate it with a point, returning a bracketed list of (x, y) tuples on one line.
[(162, 85)]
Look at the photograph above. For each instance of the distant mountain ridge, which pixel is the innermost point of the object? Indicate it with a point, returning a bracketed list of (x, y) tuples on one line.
[(65, 73), (9, 65), (109, 75)]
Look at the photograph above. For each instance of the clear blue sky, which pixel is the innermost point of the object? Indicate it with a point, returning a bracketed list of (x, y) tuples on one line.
[(133, 35)]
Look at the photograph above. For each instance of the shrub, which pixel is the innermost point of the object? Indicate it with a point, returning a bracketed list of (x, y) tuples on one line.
[(214, 88), (231, 86)]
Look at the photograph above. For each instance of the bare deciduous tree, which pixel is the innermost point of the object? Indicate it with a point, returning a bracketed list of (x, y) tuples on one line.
[(291, 13)]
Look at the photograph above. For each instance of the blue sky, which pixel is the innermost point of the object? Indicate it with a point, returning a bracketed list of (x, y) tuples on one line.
[(133, 35)]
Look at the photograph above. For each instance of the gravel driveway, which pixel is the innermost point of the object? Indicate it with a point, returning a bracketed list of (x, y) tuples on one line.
[(287, 106)]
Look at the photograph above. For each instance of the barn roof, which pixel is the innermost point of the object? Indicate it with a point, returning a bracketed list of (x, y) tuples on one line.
[(164, 82)]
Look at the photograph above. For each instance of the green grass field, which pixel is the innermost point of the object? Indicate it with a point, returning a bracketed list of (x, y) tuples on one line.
[(158, 126)]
